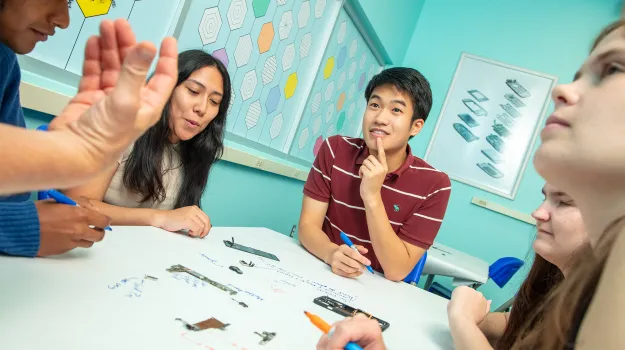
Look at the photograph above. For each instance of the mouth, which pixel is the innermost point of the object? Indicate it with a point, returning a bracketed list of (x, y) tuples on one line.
[(191, 123), (557, 121), (377, 132), (42, 36), (545, 232)]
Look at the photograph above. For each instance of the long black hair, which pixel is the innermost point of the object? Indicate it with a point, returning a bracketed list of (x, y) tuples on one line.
[(143, 172)]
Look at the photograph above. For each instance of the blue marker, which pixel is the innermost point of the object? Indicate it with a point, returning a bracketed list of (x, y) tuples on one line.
[(63, 199), (351, 245)]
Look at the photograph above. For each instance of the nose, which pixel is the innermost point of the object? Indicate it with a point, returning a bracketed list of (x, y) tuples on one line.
[(541, 214), (565, 94), (60, 17), (381, 118), (200, 108)]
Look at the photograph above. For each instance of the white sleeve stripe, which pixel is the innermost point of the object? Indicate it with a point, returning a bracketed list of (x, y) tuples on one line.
[(423, 168), (402, 192), (330, 147), (347, 205), (442, 189), (427, 217), (322, 174)]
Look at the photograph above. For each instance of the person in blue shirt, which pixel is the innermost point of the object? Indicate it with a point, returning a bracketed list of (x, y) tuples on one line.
[(113, 107)]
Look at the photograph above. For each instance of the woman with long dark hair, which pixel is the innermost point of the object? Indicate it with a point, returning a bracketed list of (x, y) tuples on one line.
[(560, 238), (160, 179)]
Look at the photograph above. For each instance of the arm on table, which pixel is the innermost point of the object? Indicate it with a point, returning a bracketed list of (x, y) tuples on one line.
[(310, 234), (190, 218), (494, 326)]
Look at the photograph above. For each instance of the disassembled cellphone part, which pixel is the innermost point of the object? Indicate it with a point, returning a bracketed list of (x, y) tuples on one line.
[(236, 269), (346, 310), (250, 264), (148, 277), (180, 268), (231, 244), (266, 337), (240, 302), (206, 324)]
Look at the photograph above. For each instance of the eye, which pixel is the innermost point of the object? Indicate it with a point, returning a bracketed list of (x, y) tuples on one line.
[(397, 110), (192, 92), (215, 103), (610, 69), (374, 105)]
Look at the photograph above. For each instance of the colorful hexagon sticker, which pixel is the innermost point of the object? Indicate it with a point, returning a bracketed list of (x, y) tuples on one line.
[(265, 37), (269, 69), (304, 14), (221, 55), (316, 125), (317, 146), (260, 7), (210, 25), (352, 48), (236, 14), (92, 8), (341, 82), (329, 67), (361, 81), (340, 102), (320, 6), (316, 102), (340, 36), (305, 45), (272, 99), (303, 138), (352, 69), (291, 85), (288, 57), (253, 113), (276, 126), (340, 121), (340, 61), (243, 50), (286, 23), (330, 112), (249, 84), (329, 90)]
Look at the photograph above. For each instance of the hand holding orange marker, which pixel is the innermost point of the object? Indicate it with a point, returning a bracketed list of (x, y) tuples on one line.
[(325, 328)]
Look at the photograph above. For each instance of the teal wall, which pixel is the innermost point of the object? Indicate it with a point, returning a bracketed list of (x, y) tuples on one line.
[(552, 37), (394, 22)]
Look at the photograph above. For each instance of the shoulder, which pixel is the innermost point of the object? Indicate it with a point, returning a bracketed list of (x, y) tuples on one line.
[(8, 63), (345, 145), (427, 173)]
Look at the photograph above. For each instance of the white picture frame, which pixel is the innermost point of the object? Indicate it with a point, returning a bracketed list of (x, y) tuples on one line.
[(489, 123)]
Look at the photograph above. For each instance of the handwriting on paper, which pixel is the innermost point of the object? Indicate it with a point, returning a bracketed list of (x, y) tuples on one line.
[(326, 290), (188, 279), (213, 261), (199, 344), (246, 292), (132, 287)]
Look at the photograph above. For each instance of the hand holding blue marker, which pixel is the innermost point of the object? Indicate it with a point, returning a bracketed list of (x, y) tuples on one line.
[(351, 245), (63, 199)]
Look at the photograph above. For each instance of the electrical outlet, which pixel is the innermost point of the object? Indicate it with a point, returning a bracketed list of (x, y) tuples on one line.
[(259, 163), (482, 202)]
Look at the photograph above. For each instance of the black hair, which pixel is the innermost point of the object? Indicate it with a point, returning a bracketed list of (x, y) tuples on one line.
[(408, 80), (143, 172), (69, 4)]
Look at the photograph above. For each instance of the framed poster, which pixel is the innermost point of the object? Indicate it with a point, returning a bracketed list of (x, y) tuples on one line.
[(488, 124)]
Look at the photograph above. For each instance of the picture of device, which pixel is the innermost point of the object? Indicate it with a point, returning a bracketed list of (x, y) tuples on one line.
[(468, 119), (500, 129), (474, 107), (517, 88), (496, 142), (231, 244), (490, 170), (516, 102), (478, 95), (506, 120), (346, 310), (510, 110), (465, 133), (492, 155)]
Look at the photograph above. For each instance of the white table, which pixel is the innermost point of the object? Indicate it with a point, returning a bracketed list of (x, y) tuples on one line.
[(67, 302), (464, 268)]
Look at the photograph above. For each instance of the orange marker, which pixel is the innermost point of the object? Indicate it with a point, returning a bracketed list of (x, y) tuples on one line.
[(325, 328)]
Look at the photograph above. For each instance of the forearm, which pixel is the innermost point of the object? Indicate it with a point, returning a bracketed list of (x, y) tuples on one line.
[(316, 241), (467, 335), (36, 160), (389, 248), (493, 326), (129, 216)]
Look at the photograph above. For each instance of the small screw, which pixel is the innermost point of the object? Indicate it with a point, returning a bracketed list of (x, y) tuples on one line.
[(148, 277)]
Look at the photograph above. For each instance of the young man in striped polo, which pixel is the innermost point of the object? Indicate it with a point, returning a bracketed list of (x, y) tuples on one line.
[(389, 202)]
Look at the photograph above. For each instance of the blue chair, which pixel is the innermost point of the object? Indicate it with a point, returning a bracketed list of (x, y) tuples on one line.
[(414, 276), (502, 270)]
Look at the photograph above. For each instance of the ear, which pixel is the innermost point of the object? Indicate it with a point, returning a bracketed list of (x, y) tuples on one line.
[(416, 127)]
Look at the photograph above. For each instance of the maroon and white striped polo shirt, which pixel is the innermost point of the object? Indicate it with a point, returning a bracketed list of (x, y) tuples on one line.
[(415, 196)]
